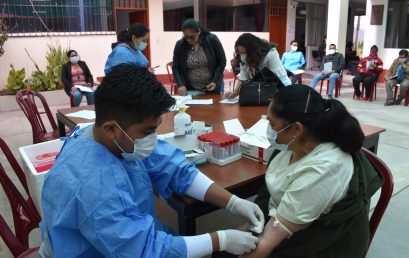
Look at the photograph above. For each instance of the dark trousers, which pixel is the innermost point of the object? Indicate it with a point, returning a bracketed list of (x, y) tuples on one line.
[(367, 80)]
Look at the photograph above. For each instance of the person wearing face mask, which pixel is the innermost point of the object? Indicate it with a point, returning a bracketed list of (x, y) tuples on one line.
[(369, 69), (254, 54), (98, 198), (76, 72), (134, 40), (198, 60), (336, 62), (318, 182), (293, 60), (398, 73)]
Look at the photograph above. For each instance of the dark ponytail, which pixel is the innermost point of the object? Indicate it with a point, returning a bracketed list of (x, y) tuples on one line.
[(325, 120), (138, 30), (342, 128)]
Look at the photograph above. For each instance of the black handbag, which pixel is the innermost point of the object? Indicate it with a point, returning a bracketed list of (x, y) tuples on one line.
[(260, 90)]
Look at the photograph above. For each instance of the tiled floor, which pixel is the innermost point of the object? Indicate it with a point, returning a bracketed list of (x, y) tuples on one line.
[(392, 237)]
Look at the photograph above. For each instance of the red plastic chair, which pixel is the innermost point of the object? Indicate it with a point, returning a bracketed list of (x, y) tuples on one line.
[(173, 85), (395, 94), (372, 94), (386, 192), (16, 248), (25, 215), (338, 84), (27, 101)]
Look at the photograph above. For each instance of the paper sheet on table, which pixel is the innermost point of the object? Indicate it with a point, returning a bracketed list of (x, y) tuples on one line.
[(199, 101), (177, 97), (298, 71), (83, 88), (233, 126), (229, 101), (195, 92), (86, 114)]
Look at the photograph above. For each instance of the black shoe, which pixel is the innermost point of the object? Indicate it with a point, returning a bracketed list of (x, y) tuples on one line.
[(398, 101), (389, 103), (329, 96)]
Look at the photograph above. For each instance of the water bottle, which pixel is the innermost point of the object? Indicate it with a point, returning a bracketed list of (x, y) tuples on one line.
[(182, 122)]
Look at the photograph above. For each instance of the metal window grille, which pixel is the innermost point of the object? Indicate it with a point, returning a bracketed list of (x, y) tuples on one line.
[(39, 16)]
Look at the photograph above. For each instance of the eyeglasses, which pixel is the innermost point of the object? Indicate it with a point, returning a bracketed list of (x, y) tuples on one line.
[(190, 37)]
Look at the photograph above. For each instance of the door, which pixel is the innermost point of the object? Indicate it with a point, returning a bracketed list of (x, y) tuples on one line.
[(278, 23)]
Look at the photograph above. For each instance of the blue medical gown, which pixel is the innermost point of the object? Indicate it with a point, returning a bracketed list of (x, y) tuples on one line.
[(97, 205), (123, 54)]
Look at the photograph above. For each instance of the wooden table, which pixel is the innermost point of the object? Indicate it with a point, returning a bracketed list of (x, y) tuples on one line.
[(242, 177)]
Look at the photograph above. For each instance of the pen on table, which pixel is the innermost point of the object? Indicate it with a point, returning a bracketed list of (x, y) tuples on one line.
[(153, 68)]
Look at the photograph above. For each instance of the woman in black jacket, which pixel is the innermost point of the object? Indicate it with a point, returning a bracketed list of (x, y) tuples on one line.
[(75, 73), (198, 60)]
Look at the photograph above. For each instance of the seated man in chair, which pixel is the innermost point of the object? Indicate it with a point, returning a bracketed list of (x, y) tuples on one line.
[(331, 68), (293, 60), (369, 69), (398, 73)]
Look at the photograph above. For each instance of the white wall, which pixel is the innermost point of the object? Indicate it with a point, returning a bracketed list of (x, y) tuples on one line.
[(93, 49), (163, 42), (375, 35)]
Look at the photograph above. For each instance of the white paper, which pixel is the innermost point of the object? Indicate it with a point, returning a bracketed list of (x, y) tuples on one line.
[(177, 97), (86, 114), (327, 67), (256, 135), (198, 127), (83, 88), (229, 101), (199, 101), (233, 126), (298, 71)]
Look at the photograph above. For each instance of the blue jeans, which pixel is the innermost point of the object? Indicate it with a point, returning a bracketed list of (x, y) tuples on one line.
[(78, 97), (332, 79)]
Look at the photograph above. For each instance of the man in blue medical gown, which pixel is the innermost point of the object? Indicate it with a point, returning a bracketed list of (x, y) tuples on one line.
[(97, 199)]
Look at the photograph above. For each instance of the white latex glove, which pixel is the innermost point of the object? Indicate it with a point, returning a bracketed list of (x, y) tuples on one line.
[(247, 210), (236, 242)]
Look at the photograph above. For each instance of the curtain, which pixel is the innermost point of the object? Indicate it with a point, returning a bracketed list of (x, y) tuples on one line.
[(316, 23), (397, 25)]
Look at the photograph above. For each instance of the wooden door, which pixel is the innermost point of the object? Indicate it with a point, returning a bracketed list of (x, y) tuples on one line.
[(278, 23), (141, 16)]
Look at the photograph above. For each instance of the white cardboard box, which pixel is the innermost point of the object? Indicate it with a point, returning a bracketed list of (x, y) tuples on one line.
[(35, 179), (253, 142)]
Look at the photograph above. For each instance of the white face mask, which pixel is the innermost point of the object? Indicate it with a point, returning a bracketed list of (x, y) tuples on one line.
[(142, 148), (332, 51), (142, 46), (243, 57), (272, 136), (294, 48)]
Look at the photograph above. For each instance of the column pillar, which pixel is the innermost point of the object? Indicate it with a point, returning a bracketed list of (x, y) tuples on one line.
[(337, 24)]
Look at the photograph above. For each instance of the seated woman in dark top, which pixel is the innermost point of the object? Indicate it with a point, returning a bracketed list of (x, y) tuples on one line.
[(76, 72), (198, 60)]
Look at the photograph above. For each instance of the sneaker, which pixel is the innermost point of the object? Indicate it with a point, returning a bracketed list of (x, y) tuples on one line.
[(366, 98)]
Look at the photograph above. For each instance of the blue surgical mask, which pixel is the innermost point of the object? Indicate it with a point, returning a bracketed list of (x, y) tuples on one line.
[(74, 59), (243, 57), (142, 148), (142, 46), (272, 136)]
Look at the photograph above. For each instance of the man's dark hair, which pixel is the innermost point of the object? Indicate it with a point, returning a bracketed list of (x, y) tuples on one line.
[(374, 48), (128, 95), (403, 52), (330, 45), (292, 41)]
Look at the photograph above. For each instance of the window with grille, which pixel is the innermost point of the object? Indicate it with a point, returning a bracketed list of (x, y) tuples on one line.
[(38, 16)]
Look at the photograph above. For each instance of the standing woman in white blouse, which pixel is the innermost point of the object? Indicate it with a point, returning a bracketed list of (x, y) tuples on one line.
[(254, 54)]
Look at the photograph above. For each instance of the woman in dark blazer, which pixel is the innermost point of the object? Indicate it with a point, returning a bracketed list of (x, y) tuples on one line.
[(198, 60), (76, 72)]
